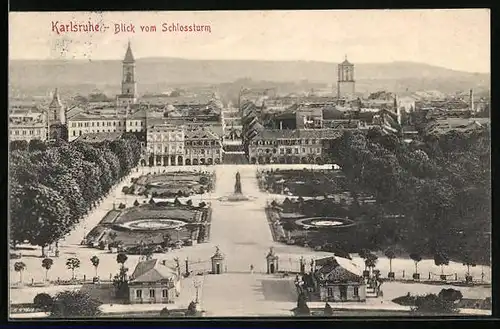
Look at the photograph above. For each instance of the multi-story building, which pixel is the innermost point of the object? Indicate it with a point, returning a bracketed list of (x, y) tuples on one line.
[(165, 145), (290, 146), (86, 123), (203, 147), (28, 126), (136, 122)]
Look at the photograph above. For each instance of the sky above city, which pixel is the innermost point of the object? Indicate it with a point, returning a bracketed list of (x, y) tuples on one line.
[(455, 39)]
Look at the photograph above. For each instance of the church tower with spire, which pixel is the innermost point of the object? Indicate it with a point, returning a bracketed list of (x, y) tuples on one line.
[(129, 85), (57, 114), (345, 82)]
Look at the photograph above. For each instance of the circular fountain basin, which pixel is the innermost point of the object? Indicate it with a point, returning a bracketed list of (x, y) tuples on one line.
[(324, 222), (153, 224)]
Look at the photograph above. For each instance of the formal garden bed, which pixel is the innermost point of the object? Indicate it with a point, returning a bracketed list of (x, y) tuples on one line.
[(158, 226), (171, 184), (305, 182)]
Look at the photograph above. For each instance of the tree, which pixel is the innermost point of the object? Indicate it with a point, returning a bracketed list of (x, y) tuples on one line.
[(72, 264), (47, 264), (121, 258), (95, 262), (416, 257), (136, 203), (441, 259), (328, 311), (189, 202), (21, 145), (390, 254), (43, 216), (71, 304), (288, 227), (37, 145), (43, 302), (177, 202), (371, 261), (20, 267)]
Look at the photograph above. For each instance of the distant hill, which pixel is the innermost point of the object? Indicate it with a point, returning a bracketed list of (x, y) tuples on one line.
[(154, 74)]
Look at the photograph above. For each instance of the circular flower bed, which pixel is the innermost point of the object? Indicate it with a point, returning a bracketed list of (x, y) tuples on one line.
[(153, 224), (324, 222)]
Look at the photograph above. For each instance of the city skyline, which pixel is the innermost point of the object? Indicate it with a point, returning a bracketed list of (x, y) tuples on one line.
[(458, 45)]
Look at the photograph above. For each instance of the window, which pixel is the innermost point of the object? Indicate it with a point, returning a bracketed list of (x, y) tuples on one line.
[(282, 151), (164, 293), (356, 291), (296, 151), (73, 124), (80, 132), (93, 124), (303, 150), (97, 124), (329, 291), (152, 293), (119, 124), (138, 293), (318, 150), (288, 151), (74, 133), (114, 123)]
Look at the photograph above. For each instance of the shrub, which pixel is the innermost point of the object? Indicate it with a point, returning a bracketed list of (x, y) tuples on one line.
[(450, 295), (202, 204), (122, 206), (69, 304), (189, 202), (136, 203), (43, 302), (177, 202), (125, 189), (165, 312), (328, 310), (432, 304), (302, 308)]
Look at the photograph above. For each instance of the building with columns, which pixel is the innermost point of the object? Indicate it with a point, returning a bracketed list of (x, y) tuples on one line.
[(128, 95), (165, 145), (203, 147), (345, 82)]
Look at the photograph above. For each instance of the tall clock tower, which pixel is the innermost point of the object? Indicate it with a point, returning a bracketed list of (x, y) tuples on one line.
[(129, 85), (345, 82)]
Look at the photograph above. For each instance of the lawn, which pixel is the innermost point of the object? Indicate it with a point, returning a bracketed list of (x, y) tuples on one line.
[(170, 184), (110, 229)]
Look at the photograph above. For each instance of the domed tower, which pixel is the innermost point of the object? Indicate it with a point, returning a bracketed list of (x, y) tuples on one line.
[(345, 82), (129, 86)]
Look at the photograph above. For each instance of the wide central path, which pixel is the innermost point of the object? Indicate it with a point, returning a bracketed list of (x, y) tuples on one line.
[(240, 229)]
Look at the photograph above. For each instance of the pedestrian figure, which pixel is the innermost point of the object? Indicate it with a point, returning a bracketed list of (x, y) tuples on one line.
[(225, 267), (251, 269)]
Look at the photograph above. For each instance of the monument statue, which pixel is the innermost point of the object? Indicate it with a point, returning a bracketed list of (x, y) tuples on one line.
[(237, 185)]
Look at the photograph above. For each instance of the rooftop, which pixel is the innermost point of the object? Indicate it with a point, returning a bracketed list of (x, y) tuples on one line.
[(152, 271), (129, 57), (99, 137)]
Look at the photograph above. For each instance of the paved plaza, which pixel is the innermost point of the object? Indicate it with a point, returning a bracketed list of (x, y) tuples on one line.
[(241, 231)]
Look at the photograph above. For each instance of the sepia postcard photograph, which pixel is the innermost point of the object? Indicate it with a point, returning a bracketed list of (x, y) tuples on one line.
[(222, 164)]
